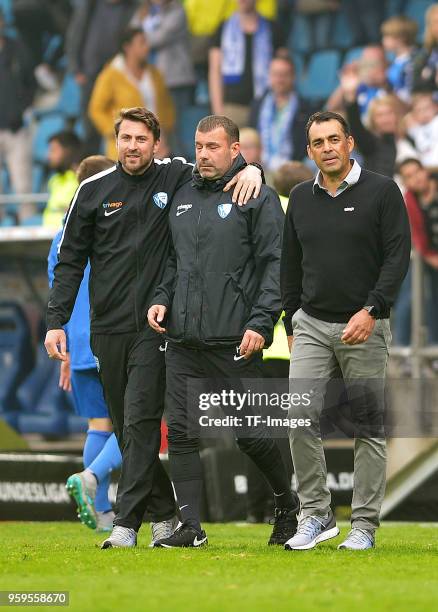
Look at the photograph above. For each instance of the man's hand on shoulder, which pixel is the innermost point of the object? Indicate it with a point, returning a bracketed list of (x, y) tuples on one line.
[(156, 314), (359, 328), (56, 344), (247, 184), (252, 342)]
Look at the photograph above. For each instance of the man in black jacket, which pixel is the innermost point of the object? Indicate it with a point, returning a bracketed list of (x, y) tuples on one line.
[(346, 250), (222, 295), (119, 220)]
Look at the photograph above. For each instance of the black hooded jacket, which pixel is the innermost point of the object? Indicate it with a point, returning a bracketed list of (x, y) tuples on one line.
[(222, 277)]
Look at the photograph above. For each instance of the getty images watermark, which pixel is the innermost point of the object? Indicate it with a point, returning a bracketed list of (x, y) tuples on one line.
[(331, 408), (246, 404)]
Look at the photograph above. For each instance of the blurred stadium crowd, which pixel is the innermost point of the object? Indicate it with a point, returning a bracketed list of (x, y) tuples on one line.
[(68, 66)]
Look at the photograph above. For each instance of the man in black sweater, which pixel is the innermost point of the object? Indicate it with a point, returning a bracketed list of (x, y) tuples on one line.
[(221, 291), (346, 250)]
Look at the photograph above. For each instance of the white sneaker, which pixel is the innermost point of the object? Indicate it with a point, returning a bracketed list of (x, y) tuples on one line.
[(121, 537), (358, 539), (311, 531), (163, 530)]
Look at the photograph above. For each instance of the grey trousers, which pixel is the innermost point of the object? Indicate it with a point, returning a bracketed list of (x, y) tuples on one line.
[(318, 355)]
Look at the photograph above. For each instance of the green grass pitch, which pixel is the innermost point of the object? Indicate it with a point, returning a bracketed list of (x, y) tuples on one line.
[(236, 572)]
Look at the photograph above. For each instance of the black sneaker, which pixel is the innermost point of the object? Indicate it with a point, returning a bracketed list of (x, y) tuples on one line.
[(183, 537), (285, 526)]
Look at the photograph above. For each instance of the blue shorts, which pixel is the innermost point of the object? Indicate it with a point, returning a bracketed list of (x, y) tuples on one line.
[(88, 394)]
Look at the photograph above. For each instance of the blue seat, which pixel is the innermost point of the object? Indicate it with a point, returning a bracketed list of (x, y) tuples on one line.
[(416, 9), (352, 55), (342, 36), (44, 408), (16, 354), (48, 125), (300, 38), (395, 7), (69, 102), (321, 76)]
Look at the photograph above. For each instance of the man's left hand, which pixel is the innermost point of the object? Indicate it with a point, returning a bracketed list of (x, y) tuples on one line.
[(252, 342), (359, 328), (247, 184)]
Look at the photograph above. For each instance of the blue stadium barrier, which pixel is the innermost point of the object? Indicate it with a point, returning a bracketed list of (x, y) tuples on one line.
[(321, 76), (33, 220), (16, 354)]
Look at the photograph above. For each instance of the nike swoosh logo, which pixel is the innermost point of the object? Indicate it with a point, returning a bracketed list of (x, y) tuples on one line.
[(197, 542), (181, 212), (108, 213), (162, 348), (182, 507), (236, 358)]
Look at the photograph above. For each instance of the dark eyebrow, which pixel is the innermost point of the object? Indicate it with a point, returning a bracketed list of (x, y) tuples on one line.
[(330, 136)]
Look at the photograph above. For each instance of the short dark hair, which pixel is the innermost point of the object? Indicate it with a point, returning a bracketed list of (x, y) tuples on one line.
[(140, 114), (92, 165), (210, 123), (405, 162), (128, 35), (284, 58), (67, 139), (322, 116)]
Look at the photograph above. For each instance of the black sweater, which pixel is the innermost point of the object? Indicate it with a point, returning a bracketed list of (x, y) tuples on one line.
[(342, 253)]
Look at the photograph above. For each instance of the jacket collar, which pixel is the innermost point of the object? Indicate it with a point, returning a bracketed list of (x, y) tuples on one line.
[(218, 185), (136, 178)]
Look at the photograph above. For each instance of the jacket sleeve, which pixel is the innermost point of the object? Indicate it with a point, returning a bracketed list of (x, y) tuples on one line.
[(166, 289), (100, 108), (172, 27), (291, 273), (266, 229), (73, 253), (396, 243), (365, 140)]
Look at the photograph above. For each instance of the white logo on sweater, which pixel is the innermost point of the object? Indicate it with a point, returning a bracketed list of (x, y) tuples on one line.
[(349, 209)]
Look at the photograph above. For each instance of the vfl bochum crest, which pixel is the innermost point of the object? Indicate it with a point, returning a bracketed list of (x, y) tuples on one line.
[(160, 199), (224, 210)]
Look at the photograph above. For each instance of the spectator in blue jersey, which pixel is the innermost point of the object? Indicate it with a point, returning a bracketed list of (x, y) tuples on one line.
[(242, 49), (79, 374), (370, 70), (398, 39), (280, 117)]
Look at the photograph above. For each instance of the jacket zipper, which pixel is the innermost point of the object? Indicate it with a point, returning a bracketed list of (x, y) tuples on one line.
[(137, 266), (198, 288)]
